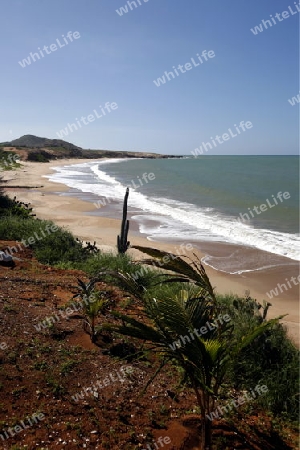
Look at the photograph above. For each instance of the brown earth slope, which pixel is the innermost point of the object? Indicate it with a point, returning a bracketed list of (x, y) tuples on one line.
[(41, 372)]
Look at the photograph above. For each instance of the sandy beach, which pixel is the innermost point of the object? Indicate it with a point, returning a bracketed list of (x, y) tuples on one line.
[(57, 202)]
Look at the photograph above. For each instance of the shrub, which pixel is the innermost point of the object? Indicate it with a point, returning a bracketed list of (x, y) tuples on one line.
[(40, 156), (9, 207), (271, 359), (49, 247), (7, 160), (169, 324)]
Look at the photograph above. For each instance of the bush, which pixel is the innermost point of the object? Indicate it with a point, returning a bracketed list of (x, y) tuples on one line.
[(7, 160), (107, 261), (271, 359), (48, 247), (40, 156), (10, 207), (138, 275)]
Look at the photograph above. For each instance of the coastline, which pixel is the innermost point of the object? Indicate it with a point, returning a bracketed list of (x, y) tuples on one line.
[(61, 204)]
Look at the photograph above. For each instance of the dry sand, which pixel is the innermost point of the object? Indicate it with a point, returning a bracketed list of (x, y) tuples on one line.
[(49, 202)]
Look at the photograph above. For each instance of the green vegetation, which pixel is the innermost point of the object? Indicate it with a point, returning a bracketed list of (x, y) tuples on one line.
[(94, 302), (169, 325), (8, 160), (49, 247), (50, 244), (271, 359), (14, 208), (38, 156)]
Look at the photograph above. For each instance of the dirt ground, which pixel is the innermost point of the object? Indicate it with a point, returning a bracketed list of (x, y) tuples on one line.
[(43, 371)]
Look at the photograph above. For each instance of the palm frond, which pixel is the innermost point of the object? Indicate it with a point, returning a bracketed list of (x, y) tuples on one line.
[(168, 261), (136, 329)]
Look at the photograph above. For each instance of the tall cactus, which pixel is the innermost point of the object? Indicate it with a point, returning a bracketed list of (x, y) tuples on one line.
[(122, 242)]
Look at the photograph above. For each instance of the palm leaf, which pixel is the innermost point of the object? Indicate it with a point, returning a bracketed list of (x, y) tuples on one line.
[(136, 329), (175, 263)]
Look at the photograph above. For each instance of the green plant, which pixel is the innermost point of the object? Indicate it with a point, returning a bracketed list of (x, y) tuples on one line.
[(272, 358), (12, 207), (67, 367), (40, 156), (12, 357), (9, 308), (18, 391), (93, 303), (8, 160), (204, 358), (57, 389), (40, 365), (136, 286), (122, 242), (185, 273), (50, 247)]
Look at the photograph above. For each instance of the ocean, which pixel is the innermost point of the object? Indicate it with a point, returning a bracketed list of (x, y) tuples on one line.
[(248, 201)]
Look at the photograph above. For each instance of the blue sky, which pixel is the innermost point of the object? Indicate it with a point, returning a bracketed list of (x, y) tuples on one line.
[(117, 58)]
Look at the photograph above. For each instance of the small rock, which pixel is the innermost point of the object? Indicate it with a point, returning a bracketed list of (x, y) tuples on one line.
[(6, 260)]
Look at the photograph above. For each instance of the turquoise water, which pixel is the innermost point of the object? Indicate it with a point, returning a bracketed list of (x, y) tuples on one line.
[(227, 184), (203, 198)]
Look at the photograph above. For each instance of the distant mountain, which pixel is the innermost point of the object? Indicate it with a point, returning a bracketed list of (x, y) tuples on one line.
[(28, 140), (34, 148)]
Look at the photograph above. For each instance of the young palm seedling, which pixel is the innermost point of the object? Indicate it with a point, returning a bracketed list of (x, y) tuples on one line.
[(93, 303), (187, 330)]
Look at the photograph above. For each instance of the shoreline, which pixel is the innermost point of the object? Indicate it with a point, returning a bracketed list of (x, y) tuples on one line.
[(58, 202)]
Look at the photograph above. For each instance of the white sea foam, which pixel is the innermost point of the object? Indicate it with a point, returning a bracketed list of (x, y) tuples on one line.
[(171, 219)]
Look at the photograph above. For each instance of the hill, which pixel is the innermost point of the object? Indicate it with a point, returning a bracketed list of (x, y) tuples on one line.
[(31, 141), (40, 149)]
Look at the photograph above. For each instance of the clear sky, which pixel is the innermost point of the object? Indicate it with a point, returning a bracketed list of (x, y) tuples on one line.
[(117, 58)]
